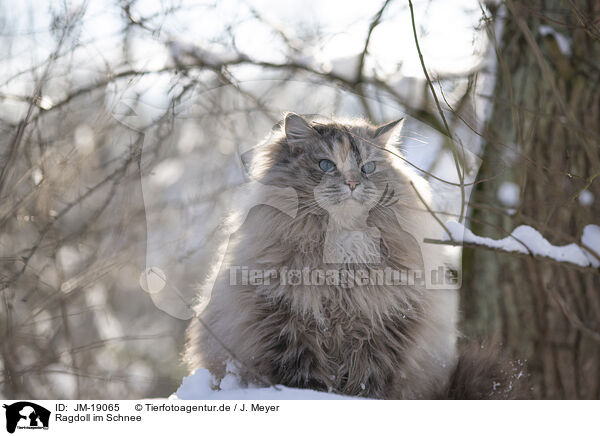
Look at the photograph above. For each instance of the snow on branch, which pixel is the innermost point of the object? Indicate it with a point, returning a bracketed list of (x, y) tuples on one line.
[(525, 240)]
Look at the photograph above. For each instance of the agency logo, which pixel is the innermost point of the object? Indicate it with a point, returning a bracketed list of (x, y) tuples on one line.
[(26, 415)]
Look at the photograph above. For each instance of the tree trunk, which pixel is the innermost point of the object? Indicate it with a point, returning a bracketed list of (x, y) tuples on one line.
[(544, 135)]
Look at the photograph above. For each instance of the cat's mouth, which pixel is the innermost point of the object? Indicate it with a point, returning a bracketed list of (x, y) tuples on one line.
[(351, 199), (346, 200), (355, 196)]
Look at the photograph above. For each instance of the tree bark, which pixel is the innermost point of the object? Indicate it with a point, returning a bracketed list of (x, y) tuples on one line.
[(543, 135)]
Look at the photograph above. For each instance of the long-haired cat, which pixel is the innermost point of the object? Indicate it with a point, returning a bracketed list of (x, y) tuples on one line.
[(360, 209)]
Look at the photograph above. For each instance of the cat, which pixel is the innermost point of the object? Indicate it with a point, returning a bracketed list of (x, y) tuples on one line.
[(360, 209)]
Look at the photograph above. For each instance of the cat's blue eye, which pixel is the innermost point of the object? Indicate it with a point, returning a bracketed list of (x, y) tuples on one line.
[(326, 165), (368, 168)]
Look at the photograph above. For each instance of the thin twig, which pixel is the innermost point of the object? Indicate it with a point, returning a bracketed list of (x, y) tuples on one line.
[(459, 167)]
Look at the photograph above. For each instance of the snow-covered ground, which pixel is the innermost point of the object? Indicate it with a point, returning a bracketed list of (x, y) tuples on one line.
[(197, 386)]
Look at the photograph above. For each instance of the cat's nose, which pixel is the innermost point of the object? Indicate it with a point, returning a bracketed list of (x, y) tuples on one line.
[(352, 185)]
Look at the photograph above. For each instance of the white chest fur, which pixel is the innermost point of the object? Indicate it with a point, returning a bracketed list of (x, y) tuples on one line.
[(348, 246)]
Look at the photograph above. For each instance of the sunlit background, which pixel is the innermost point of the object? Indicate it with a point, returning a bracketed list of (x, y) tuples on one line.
[(133, 143)]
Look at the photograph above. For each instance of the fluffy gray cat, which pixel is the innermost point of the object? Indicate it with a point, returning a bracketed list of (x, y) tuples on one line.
[(359, 211)]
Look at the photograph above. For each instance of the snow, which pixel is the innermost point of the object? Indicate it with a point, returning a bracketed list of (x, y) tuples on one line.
[(564, 43), (509, 194), (37, 175), (526, 239), (586, 198), (197, 386), (591, 239), (45, 102)]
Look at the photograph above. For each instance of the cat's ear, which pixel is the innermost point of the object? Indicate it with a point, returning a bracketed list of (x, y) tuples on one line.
[(389, 133), (297, 130)]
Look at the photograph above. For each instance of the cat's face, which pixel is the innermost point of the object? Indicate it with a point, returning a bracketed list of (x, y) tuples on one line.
[(343, 169), (353, 175)]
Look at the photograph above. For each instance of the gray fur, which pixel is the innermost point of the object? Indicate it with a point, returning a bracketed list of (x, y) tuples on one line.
[(373, 341)]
